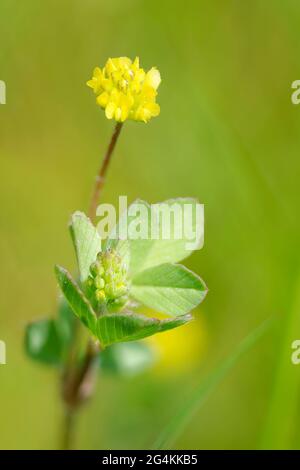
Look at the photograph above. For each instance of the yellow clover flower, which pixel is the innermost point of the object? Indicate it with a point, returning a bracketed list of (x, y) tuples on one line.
[(125, 90)]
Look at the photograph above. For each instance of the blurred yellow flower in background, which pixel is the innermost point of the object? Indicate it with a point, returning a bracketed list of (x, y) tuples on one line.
[(182, 349), (126, 91)]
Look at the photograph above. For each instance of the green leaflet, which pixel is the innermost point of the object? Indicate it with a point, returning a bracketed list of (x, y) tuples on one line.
[(65, 322), (112, 328), (126, 359), (146, 253), (87, 242), (160, 285), (48, 340), (77, 301), (43, 342), (169, 288), (120, 327)]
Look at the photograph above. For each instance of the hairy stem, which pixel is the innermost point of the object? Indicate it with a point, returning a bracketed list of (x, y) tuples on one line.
[(100, 179)]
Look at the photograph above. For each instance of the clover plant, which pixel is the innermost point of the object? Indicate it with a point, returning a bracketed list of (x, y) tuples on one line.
[(117, 279)]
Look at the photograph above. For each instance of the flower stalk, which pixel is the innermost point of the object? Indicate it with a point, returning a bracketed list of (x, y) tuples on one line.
[(78, 381), (100, 178)]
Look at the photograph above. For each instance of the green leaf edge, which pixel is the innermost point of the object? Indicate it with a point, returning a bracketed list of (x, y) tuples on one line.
[(88, 318), (84, 270), (196, 276), (152, 326)]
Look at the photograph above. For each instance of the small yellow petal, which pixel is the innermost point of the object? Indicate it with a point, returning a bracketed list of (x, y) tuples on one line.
[(91, 83), (97, 72), (115, 95), (103, 99), (124, 114), (107, 84), (154, 109), (118, 114), (110, 110), (136, 63), (124, 62), (153, 78), (110, 67)]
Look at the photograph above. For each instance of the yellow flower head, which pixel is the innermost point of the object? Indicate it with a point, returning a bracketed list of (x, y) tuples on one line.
[(125, 90)]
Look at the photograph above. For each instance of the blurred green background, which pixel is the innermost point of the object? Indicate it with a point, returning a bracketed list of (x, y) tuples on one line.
[(227, 134)]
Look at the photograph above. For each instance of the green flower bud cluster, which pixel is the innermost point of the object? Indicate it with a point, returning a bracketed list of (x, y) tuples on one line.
[(108, 284)]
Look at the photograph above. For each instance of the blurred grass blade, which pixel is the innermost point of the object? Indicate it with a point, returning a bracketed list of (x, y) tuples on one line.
[(281, 423), (185, 414)]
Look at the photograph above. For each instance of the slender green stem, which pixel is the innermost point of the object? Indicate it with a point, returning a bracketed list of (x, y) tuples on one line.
[(68, 429), (100, 179), (78, 381), (78, 386)]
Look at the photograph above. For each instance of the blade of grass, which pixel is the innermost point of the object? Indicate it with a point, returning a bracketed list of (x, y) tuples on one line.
[(202, 393), (281, 422)]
